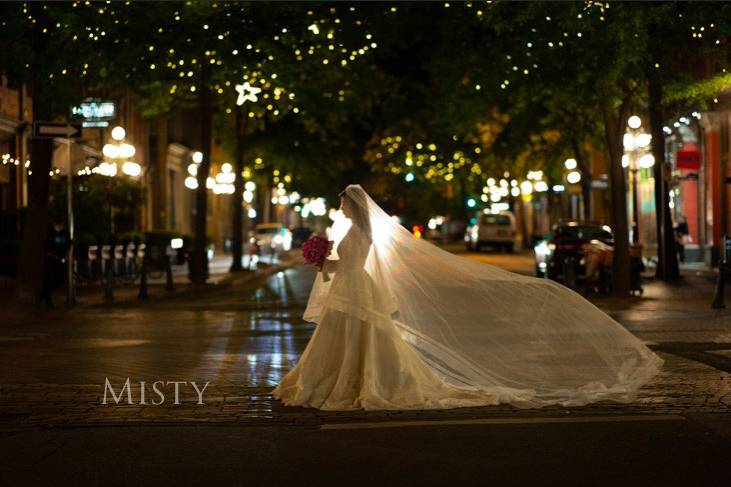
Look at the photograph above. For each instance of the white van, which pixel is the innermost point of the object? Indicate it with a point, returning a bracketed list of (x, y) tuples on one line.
[(273, 236), (496, 230)]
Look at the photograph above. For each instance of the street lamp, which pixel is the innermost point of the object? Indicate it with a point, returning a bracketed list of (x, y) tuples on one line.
[(636, 147), (119, 152), (572, 176)]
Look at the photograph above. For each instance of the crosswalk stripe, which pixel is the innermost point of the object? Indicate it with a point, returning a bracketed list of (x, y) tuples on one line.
[(501, 421)]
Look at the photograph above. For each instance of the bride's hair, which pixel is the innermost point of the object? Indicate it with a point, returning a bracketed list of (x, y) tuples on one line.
[(358, 209)]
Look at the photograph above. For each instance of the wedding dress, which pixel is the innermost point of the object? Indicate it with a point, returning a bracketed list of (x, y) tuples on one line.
[(403, 324)]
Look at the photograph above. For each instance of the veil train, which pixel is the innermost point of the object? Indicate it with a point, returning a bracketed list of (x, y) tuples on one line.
[(527, 341)]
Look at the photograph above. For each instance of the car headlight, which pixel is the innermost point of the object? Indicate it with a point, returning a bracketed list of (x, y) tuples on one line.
[(543, 249)]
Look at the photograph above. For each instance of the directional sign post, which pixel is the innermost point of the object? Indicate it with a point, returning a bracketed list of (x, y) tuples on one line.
[(57, 129), (69, 131)]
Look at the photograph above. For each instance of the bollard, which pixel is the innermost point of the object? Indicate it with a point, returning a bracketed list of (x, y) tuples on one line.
[(143, 281), (107, 257), (119, 260), (109, 283), (719, 298), (168, 275), (569, 272), (93, 256), (130, 259)]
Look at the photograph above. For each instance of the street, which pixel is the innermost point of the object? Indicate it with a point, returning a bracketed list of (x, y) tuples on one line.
[(242, 339), (521, 262)]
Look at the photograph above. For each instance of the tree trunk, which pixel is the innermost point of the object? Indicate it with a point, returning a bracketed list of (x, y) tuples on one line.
[(238, 213), (31, 262), (667, 258), (159, 175), (614, 132), (586, 177), (522, 215), (199, 260)]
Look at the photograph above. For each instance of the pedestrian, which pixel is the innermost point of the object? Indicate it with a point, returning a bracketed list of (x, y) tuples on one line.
[(57, 245), (682, 237)]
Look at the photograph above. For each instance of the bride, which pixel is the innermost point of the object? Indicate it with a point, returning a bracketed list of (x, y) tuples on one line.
[(402, 324)]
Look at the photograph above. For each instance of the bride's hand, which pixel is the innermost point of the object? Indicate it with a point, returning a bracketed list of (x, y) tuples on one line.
[(329, 266)]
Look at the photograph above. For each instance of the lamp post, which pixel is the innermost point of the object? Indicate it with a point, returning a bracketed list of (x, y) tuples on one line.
[(116, 153), (573, 176), (637, 156)]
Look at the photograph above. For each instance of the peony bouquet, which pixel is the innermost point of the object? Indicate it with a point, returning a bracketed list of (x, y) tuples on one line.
[(315, 250)]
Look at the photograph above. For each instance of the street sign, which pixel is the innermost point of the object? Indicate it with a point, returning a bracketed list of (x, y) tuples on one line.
[(94, 112), (601, 181), (693, 176), (688, 159), (50, 130)]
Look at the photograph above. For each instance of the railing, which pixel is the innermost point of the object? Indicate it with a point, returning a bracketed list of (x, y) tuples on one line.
[(123, 265)]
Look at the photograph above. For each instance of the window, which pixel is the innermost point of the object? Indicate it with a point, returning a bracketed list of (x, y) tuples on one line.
[(496, 220)]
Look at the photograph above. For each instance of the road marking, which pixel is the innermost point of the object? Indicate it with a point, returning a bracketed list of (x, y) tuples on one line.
[(16, 339), (500, 421)]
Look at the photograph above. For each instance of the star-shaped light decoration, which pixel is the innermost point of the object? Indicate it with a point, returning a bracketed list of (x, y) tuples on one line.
[(246, 93)]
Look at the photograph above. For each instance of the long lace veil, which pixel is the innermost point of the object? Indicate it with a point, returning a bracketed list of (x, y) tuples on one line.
[(531, 341)]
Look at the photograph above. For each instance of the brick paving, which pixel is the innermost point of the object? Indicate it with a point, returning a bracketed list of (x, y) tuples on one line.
[(242, 341), (683, 387)]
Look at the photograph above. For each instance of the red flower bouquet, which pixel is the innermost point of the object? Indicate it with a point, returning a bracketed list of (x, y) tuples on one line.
[(315, 250)]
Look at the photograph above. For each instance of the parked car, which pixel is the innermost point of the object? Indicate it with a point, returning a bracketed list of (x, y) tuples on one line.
[(273, 236), (575, 251), (496, 230)]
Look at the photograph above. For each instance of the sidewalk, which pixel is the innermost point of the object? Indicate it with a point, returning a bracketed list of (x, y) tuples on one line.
[(127, 295), (694, 290)]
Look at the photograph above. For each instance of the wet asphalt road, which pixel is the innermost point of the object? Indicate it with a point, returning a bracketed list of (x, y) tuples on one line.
[(230, 336), (672, 453)]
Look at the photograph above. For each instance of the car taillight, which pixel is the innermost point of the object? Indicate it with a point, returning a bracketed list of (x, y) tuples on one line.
[(572, 246)]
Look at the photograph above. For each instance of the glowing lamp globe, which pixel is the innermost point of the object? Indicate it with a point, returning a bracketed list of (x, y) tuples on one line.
[(131, 168), (643, 140), (647, 161), (110, 150), (573, 177), (526, 187), (118, 133), (126, 151), (191, 182)]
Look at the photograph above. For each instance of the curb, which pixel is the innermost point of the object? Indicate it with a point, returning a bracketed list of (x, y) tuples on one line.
[(193, 290)]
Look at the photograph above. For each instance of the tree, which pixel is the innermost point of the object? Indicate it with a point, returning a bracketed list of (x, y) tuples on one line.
[(687, 51), (49, 47)]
